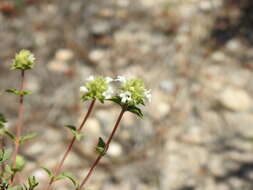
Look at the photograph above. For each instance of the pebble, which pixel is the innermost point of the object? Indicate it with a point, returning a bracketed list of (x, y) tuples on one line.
[(115, 149), (235, 99), (64, 55)]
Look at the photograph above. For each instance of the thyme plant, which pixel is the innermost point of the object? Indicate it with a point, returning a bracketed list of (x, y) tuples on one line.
[(129, 94)]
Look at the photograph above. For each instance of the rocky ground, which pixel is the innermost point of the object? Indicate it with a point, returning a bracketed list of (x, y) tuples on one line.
[(195, 55)]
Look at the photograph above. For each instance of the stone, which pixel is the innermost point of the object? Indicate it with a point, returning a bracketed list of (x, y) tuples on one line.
[(234, 45), (58, 66), (235, 99), (93, 127), (100, 28), (115, 149), (64, 55), (97, 55)]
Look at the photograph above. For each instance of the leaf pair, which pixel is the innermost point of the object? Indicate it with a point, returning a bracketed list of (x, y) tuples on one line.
[(101, 147), (17, 92), (75, 132), (61, 176), (131, 108), (22, 139)]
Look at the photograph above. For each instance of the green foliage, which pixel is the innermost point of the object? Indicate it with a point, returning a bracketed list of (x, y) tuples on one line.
[(101, 146), (23, 60), (75, 132), (4, 155), (10, 134), (49, 172), (17, 92), (2, 120), (135, 110), (27, 137)]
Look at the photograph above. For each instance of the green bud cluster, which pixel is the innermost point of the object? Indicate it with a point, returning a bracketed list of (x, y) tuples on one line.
[(23, 60)]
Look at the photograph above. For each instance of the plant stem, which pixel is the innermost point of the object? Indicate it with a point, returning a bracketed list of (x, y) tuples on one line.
[(93, 166), (69, 147), (19, 123)]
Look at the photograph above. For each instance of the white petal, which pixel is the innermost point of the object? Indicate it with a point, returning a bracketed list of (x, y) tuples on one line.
[(123, 100), (90, 78), (121, 79), (83, 89), (108, 79)]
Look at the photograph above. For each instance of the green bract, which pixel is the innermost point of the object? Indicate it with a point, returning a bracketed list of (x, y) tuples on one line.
[(96, 88), (23, 60)]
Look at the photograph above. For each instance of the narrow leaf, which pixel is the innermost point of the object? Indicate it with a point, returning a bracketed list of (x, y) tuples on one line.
[(135, 110), (27, 137), (50, 174), (9, 134), (100, 148), (72, 127)]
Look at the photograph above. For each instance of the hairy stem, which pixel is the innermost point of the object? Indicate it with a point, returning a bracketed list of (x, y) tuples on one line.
[(93, 166), (19, 123), (69, 147)]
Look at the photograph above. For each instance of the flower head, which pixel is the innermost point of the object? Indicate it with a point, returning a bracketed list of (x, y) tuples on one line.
[(97, 88), (23, 60), (133, 92)]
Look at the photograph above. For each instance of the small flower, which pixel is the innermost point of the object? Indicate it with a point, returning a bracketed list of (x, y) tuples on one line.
[(23, 60), (108, 79), (148, 95), (125, 97), (83, 89), (97, 88), (121, 79), (108, 94), (90, 78)]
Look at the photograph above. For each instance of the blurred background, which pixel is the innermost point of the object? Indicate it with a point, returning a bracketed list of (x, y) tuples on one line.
[(195, 55)]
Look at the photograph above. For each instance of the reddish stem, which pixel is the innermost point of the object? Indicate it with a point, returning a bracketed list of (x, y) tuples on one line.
[(106, 148), (19, 123), (69, 147)]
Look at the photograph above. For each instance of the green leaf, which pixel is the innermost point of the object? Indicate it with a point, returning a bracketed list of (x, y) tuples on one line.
[(67, 176), (9, 134), (32, 182), (5, 154), (2, 120), (27, 137), (135, 110), (100, 148), (12, 91), (49, 173), (115, 99), (77, 134), (71, 127)]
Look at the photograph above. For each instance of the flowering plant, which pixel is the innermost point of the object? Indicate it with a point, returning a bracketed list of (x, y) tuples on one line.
[(130, 94)]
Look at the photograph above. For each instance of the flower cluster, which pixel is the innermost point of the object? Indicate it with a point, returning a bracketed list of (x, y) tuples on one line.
[(133, 91), (23, 60), (97, 88)]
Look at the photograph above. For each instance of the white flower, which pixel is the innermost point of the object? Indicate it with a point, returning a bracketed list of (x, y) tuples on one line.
[(108, 94), (148, 95), (31, 58), (121, 79), (108, 79), (125, 96), (90, 78), (83, 89)]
